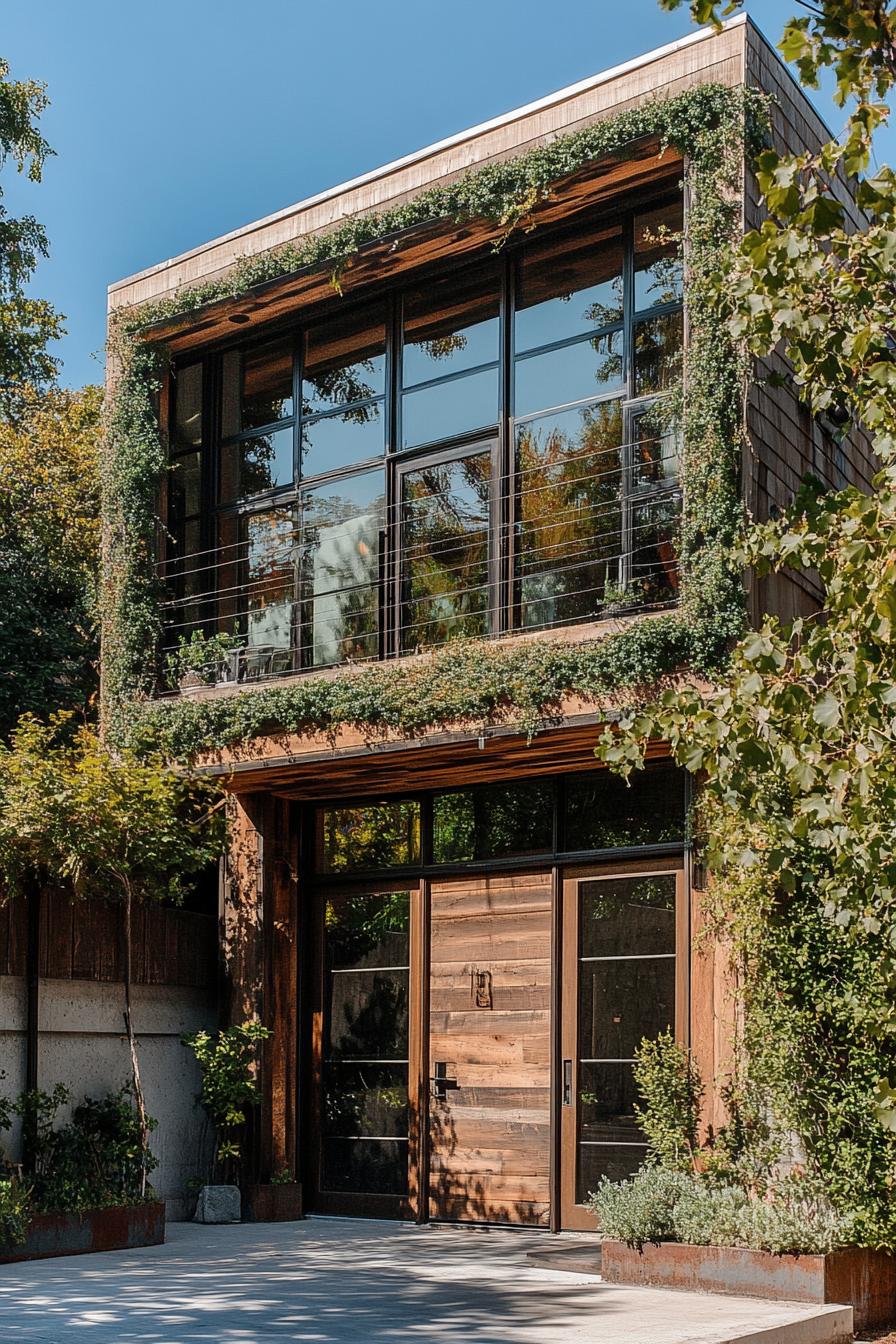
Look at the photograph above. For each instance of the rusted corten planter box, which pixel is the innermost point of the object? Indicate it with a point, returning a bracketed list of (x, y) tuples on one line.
[(121, 1229), (866, 1280), (280, 1203)]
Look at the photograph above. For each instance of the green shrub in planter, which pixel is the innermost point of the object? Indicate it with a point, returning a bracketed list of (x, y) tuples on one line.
[(709, 1215), (787, 1225), (641, 1209), (198, 661), (660, 1204)]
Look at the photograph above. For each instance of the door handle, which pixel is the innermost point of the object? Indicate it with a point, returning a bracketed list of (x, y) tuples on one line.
[(440, 1083), (567, 1082)]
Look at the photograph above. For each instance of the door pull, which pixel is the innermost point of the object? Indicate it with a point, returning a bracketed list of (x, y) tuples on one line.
[(567, 1082), (440, 1083)]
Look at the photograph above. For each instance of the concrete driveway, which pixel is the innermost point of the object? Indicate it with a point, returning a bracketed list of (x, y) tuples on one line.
[(329, 1281)]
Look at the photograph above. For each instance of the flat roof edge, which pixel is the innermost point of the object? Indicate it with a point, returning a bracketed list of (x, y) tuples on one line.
[(428, 151)]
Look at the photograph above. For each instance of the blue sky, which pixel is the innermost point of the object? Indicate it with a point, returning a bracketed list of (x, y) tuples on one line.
[(175, 122)]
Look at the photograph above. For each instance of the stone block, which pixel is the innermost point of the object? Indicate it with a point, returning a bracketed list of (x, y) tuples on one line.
[(218, 1204)]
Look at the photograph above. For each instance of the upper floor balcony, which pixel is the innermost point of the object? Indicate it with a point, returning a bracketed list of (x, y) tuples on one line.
[(487, 449)]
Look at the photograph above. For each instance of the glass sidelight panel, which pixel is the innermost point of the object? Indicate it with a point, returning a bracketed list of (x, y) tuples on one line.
[(364, 1064), (445, 550), (626, 992)]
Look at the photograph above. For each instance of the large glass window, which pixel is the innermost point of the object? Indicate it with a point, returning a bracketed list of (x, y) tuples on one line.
[(569, 503), (482, 452), (658, 293), (492, 822), (343, 392), (603, 811), (568, 332), (369, 836), (186, 570), (577, 814), (257, 420)]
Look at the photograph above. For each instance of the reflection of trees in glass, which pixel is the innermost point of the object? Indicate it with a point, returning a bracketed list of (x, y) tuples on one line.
[(445, 526), (658, 344), (270, 575), (603, 812), (342, 385), (341, 569), (660, 281), (569, 521), (656, 448), (372, 835), (654, 561), (618, 902), (443, 347), (257, 459), (487, 822), (602, 314)]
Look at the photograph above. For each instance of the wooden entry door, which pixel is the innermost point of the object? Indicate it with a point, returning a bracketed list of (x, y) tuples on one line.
[(624, 959), (490, 1048)]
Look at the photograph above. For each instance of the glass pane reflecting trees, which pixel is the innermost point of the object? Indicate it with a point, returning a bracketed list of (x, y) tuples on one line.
[(445, 517), (568, 532)]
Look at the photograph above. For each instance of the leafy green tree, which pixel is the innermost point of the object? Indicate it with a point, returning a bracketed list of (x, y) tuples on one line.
[(110, 825), (26, 324), (796, 745), (49, 552)]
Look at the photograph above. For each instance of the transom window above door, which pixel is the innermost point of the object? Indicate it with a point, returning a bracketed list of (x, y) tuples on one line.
[(485, 450)]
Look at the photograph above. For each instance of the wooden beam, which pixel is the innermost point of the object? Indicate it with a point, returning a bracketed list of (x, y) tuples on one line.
[(641, 165)]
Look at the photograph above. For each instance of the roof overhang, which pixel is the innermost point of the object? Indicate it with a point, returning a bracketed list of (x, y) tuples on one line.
[(639, 165)]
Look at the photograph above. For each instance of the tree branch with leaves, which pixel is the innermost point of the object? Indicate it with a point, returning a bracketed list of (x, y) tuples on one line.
[(794, 746)]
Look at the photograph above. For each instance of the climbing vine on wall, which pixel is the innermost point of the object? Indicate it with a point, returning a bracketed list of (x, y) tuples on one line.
[(711, 126)]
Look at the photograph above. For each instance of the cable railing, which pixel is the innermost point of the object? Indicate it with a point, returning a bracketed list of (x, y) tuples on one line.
[(449, 563)]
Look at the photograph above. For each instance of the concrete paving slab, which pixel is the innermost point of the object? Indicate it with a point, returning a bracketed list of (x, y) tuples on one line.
[(333, 1281)]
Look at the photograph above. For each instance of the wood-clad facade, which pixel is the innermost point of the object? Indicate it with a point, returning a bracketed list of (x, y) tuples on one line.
[(459, 937)]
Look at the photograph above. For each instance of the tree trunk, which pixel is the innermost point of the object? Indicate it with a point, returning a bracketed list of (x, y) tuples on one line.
[(129, 1028)]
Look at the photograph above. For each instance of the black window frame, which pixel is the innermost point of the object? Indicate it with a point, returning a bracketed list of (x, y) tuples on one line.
[(395, 460), (557, 852)]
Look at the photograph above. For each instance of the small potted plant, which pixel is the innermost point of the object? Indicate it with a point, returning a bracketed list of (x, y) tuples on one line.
[(228, 1069), (199, 660), (276, 1201)]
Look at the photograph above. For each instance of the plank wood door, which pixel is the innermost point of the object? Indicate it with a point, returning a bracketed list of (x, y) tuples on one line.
[(625, 963), (489, 1048)]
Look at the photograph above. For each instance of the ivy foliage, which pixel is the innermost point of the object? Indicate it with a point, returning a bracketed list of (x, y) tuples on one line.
[(711, 126), (796, 742)]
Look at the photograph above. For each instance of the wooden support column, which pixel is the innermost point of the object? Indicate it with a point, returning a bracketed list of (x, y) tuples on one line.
[(280, 1101), (242, 925), (713, 1024)]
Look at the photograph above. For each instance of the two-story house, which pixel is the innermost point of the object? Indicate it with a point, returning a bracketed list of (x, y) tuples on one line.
[(453, 455)]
